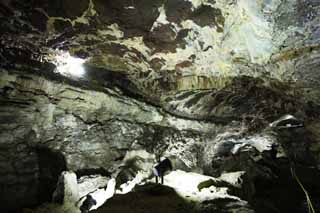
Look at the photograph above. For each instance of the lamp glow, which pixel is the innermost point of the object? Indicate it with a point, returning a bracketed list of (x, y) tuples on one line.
[(68, 65)]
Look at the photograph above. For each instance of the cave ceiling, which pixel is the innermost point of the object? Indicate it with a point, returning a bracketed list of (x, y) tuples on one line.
[(164, 51)]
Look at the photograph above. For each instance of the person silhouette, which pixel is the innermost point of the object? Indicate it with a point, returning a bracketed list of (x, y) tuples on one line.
[(161, 168)]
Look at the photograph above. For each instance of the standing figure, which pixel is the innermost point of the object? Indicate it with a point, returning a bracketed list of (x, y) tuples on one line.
[(161, 168)]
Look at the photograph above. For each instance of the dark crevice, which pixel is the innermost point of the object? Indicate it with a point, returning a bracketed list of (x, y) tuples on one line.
[(92, 171), (51, 164)]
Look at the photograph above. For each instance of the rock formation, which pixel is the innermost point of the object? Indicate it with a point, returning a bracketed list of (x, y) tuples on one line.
[(84, 84)]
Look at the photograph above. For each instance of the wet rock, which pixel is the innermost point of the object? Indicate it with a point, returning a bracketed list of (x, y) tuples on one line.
[(287, 121)]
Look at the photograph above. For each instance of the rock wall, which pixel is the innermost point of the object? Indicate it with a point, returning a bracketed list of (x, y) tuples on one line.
[(48, 127), (197, 80)]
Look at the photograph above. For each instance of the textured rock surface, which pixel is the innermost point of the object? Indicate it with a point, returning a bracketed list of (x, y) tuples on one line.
[(86, 129), (179, 194), (204, 44), (67, 188), (96, 132), (87, 184), (196, 81), (176, 45)]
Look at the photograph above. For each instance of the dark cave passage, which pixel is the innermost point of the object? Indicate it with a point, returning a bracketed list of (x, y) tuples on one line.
[(51, 165)]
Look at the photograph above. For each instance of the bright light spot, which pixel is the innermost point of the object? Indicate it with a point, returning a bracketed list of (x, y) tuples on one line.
[(130, 7), (68, 65), (186, 185), (102, 195)]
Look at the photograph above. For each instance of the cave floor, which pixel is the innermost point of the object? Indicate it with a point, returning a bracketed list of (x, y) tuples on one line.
[(150, 198), (179, 193)]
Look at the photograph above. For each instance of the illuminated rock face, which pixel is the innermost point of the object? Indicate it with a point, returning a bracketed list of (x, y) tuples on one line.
[(166, 47), (82, 129), (197, 81)]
